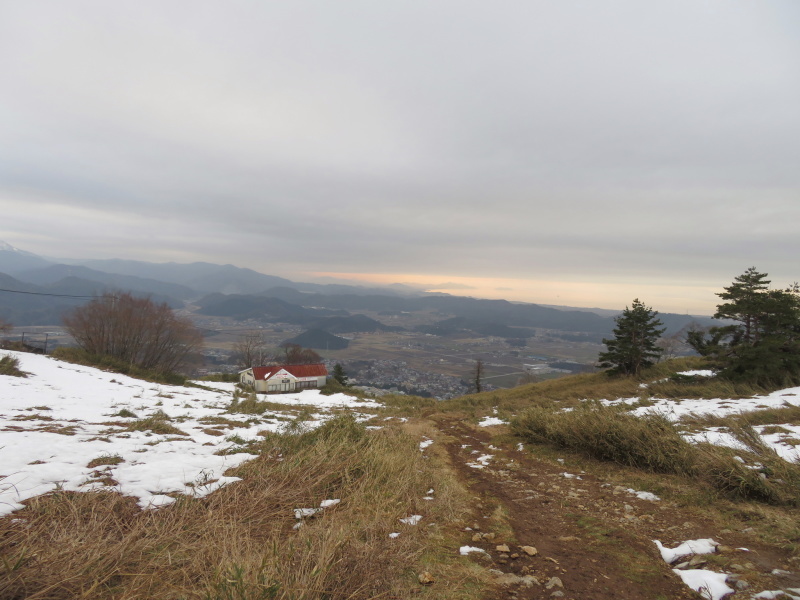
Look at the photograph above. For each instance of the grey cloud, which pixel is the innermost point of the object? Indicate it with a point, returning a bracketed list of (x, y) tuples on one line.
[(451, 286), (619, 139)]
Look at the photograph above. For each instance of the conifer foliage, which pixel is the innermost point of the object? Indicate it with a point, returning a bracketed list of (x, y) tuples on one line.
[(634, 345), (761, 343), (339, 374)]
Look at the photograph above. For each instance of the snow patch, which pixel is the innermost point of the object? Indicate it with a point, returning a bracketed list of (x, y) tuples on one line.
[(412, 520), (72, 418), (709, 584), (698, 373), (687, 548), (644, 495)]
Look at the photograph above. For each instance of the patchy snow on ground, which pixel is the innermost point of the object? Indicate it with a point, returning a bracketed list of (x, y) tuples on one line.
[(785, 444), (316, 399), (785, 441), (412, 520), (491, 421), (709, 584), (723, 406), (644, 495), (775, 594), (63, 417), (481, 462), (698, 373), (687, 548)]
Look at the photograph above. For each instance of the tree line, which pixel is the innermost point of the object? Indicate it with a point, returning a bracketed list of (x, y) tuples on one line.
[(252, 350), (759, 341)]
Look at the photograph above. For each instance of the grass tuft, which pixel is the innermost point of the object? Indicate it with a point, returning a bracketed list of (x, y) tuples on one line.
[(158, 422), (651, 442), (610, 433), (128, 414), (107, 459), (9, 365), (249, 404), (703, 387)]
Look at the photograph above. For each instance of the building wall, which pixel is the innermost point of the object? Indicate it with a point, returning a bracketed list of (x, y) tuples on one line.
[(281, 382), (247, 378)]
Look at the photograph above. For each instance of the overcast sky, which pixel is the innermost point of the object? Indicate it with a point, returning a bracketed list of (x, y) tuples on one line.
[(561, 152)]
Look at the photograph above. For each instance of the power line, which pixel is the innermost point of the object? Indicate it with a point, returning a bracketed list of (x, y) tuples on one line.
[(46, 294)]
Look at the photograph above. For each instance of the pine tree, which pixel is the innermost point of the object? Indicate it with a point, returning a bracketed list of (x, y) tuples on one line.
[(634, 345), (762, 345), (339, 374), (745, 296)]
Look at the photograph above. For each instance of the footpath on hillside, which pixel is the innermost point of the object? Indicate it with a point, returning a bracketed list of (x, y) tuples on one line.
[(547, 533)]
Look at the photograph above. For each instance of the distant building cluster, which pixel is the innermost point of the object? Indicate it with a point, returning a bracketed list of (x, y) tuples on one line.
[(397, 376)]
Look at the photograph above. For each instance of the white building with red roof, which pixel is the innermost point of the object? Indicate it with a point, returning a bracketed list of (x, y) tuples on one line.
[(284, 378)]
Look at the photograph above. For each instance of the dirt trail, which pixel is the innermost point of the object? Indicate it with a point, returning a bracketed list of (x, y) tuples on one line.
[(594, 541)]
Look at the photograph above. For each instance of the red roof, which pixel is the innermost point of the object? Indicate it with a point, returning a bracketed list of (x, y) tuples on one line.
[(317, 370)]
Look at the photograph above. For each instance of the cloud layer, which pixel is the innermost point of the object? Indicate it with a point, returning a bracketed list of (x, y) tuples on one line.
[(597, 144)]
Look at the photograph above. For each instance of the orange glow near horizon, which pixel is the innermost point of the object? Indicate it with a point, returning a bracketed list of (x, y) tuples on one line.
[(665, 298)]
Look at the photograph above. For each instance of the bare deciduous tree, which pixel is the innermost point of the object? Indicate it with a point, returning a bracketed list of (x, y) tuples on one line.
[(670, 346), (294, 354), (527, 378), (251, 350), (135, 330)]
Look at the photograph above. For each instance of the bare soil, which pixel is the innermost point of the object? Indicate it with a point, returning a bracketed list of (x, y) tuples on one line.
[(595, 537)]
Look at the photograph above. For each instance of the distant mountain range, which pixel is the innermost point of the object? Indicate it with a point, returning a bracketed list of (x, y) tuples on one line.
[(14, 260), (34, 290)]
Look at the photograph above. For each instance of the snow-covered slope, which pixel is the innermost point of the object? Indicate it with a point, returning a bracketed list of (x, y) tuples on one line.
[(64, 417)]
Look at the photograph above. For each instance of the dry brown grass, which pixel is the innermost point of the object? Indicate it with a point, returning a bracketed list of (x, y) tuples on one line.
[(652, 443), (158, 422), (703, 387), (9, 365), (239, 542), (562, 392), (107, 459), (610, 433)]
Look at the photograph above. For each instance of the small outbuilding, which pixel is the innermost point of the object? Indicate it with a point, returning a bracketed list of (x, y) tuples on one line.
[(284, 378)]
